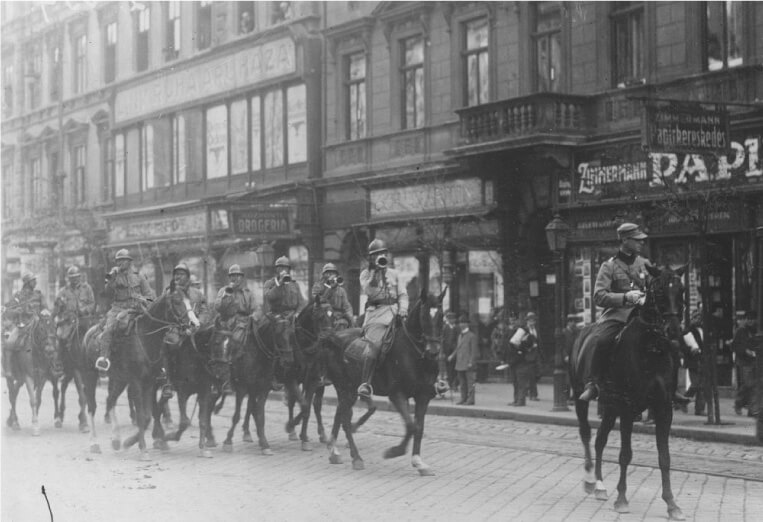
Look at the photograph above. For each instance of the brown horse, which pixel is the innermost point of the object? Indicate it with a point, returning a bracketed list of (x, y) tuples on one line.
[(641, 375), (409, 370), (34, 361), (69, 336)]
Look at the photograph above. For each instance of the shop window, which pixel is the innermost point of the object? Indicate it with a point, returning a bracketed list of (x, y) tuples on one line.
[(256, 133), (476, 56), (147, 156), (110, 52), (178, 160), (8, 79), (120, 165), (548, 52), (142, 26), (162, 151), (38, 184), (204, 25), (79, 162), (412, 82), (245, 17), (628, 37), (239, 137), (172, 43), (217, 142), (80, 63), (195, 145), (32, 70), (296, 123), (355, 88), (724, 39), (107, 170), (273, 128), (54, 72)]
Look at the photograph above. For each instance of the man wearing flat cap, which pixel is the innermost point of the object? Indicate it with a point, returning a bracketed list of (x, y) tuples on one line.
[(620, 285)]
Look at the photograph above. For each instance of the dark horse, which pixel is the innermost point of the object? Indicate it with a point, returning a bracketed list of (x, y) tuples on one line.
[(408, 370), (641, 375), (69, 335), (33, 362), (135, 364)]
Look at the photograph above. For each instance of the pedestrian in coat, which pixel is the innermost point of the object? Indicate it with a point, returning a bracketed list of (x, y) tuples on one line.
[(449, 340), (693, 344), (522, 362), (744, 355), (465, 356)]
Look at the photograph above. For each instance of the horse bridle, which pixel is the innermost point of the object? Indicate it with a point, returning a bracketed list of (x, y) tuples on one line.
[(653, 294)]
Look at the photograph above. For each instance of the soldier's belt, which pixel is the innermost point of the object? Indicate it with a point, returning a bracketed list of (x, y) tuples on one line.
[(382, 302)]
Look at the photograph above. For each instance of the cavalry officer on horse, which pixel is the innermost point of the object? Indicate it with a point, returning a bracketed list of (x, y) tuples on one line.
[(192, 311), (25, 308), (74, 306), (130, 291), (387, 298), (331, 293), (235, 304), (283, 301)]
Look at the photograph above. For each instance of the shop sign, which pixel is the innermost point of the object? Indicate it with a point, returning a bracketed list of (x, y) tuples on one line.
[(685, 128), (158, 227), (244, 68), (726, 220), (646, 174), (443, 196), (261, 222)]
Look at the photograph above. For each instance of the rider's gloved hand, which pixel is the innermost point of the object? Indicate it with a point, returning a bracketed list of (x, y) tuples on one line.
[(632, 296)]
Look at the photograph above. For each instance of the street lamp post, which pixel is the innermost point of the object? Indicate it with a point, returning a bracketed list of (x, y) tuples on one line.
[(556, 236)]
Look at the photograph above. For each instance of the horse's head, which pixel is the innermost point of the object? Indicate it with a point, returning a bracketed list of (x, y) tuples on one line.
[(320, 315), (44, 336), (665, 297), (425, 320)]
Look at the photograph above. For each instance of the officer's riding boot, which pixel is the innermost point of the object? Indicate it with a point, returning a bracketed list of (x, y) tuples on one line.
[(103, 363), (678, 398), (592, 386), (167, 390), (227, 388), (365, 390)]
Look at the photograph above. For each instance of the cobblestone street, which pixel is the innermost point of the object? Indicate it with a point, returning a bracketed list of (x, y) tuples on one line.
[(485, 470)]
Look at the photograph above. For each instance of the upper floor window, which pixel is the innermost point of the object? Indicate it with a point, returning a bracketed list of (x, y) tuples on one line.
[(79, 162), (80, 63), (54, 72), (628, 35), (476, 62), (7, 190), (38, 184), (8, 78), (217, 142), (142, 25), (724, 40), (355, 83), (245, 17), (172, 47), (120, 165), (412, 80), (110, 52), (178, 159), (280, 12), (204, 25), (107, 170), (547, 38), (32, 72), (147, 156)]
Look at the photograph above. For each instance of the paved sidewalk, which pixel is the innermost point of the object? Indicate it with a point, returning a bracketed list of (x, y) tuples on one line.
[(492, 402)]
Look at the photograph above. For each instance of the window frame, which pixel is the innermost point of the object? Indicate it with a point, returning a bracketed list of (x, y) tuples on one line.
[(79, 173), (8, 81), (54, 71), (620, 12), (33, 75), (404, 69), (37, 184), (466, 53), (8, 196), (203, 25), (173, 26), (110, 48), (240, 10), (351, 85), (724, 43), (537, 35), (79, 63), (142, 25)]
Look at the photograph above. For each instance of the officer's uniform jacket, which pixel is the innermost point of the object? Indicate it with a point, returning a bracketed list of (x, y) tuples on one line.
[(74, 301), (614, 279), (26, 305), (240, 302), (127, 288), (283, 299), (384, 288), (336, 297), (191, 299)]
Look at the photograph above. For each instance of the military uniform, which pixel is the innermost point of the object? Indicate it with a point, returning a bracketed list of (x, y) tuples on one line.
[(75, 304), (22, 310), (282, 303), (235, 304), (336, 298)]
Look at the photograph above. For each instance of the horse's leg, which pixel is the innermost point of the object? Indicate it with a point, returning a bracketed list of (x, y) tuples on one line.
[(58, 415), (422, 403), (357, 460), (295, 394), (82, 398), (115, 390), (89, 384), (61, 399), (205, 415), (259, 419), (663, 421), (334, 455), (13, 393), (584, 429), (401, 405), (184, 420), (34, 402), (228, 442), (210, 441), (371, 409), (602, 434), (147, 395), (317, 407), (247, 437), (309, 395), (158, 434), (626, 454)]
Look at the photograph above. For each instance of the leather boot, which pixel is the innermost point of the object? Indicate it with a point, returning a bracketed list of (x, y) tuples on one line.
[(591, 392), (365, 390), (103, 363)]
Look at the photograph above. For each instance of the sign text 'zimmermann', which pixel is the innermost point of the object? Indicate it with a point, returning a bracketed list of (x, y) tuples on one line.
[(686, 128)]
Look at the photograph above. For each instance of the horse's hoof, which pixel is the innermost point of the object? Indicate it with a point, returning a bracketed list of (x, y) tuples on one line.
[(601, 494), (116, 444), (358, 464), (394, 451), (15, 426), (622, 507), (58, 423), (426, 472), (306, 446), (247, 437), (84, 428), (293, 436), (676, 514), (210, 443), (144, 456), (161, 445), (227, 447), (322, 438), (35, 431), (107, 419), (267, 452), (335, 459), (205, 454), (95, 448), (588, 487)]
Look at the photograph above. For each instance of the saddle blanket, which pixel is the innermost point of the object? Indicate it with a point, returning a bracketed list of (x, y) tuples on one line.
[(358, 350)]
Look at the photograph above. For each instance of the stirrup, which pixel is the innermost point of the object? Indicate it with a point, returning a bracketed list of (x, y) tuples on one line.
[(103, 364), (591, 392), (167, 391), (441, 387)]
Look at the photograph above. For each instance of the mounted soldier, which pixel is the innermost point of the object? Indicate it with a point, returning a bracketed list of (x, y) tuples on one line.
[(130, 291), (333, 296), (24, 309), (387, 298), (235, 304), (74, 307), (190, 307), (283, 301)]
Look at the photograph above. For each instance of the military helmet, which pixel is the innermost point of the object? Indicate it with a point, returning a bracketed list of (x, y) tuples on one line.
[(123, 254), (376, 246), (73, 272), (283, 261), (329, 267), (181, 267), (235, 270), (27, 277)]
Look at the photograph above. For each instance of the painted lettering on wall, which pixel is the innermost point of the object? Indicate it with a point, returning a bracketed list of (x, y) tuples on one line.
[(157, 227), (443, 196)]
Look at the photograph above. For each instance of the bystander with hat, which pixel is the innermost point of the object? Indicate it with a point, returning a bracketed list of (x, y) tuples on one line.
[(465, 357)]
